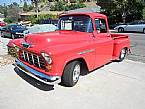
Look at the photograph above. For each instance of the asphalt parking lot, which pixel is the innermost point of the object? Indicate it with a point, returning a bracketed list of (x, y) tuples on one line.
[(113, 86), (137, 47)]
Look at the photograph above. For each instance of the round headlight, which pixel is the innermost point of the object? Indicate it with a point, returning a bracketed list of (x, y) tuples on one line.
[(47, 58)]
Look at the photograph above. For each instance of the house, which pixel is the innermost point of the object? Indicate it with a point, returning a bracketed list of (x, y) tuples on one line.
[(86, 9), (2, 17)]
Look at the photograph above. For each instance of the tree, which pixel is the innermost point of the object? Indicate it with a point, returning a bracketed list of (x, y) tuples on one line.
[(122, 10), (25, 7), (13, 11), (5, 10)]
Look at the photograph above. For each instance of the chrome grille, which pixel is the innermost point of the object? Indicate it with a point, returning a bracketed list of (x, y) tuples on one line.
[(33, 59)]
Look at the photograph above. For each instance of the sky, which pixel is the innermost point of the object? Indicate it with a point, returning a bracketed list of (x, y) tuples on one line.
[(7, 2)]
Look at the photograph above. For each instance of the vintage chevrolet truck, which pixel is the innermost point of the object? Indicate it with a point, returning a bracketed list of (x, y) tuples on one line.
[(82, 41)]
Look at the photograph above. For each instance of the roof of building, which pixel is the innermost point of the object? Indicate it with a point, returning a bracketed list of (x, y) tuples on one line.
[(86, 9)]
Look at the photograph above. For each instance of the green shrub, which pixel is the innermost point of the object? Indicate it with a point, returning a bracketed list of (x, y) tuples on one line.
[(58, 6), (81, 1), (73, 1), (74, 6), (61, 6), (35, 20), (8, 20)]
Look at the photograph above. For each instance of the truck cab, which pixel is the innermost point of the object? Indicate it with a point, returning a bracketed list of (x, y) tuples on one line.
[(82, 41)]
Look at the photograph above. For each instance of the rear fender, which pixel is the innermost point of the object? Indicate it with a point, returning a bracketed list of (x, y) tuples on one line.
[(119, 44)]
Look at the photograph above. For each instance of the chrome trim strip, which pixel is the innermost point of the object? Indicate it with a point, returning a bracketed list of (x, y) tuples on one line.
[(24, 56), (37, 75), (38, 61), (86, 51), (27, 57), (32, 59)]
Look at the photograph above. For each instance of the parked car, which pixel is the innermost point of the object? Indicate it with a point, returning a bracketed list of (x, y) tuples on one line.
[(82, 41), (13, 31), (136, 26), (115, 25), (40, 28), (50, 21), (2, 24), (34, 29)]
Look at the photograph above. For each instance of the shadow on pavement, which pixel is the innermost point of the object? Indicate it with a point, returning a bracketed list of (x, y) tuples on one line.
[(34, 82)]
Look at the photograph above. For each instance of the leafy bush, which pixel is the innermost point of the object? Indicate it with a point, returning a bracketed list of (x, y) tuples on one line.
[(35, 20), (61, 6), (81, 1), (73, 1), (74, 6), (8, 20), (58, 6)]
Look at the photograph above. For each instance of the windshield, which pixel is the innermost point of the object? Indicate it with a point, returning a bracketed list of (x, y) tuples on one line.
[(80, 23)]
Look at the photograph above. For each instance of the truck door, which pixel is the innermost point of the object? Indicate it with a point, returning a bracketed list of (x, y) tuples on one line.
[(104, 43)]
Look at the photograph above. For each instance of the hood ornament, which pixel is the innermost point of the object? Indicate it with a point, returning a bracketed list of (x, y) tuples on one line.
[(26, 45)]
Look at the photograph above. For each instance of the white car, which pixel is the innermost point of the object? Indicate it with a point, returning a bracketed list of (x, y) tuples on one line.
[(39, 28), (136, 26)]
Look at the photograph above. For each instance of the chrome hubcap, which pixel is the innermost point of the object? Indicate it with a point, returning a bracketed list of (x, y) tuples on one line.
[(123, 52), (76, 73)]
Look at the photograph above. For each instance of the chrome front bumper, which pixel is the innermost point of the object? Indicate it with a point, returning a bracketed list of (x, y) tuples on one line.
[(51, 80)]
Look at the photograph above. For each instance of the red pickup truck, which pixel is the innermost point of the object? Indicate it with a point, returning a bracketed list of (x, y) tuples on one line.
[(82, 41)]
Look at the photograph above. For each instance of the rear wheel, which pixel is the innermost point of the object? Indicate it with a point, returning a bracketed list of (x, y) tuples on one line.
[(121, 30), (71, 74), (122, 54)]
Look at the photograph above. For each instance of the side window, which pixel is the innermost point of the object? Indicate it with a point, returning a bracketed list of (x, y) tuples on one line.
[(101, 25)]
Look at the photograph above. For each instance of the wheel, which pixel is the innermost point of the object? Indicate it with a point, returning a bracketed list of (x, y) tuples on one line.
[(71, 74), (144, 30), (121, 30), (122, 54), (13, 36)]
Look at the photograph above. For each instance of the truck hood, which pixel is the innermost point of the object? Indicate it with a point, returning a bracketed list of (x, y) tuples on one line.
[(41, 41)]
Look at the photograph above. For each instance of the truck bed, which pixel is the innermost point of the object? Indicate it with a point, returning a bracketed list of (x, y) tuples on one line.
[(120, 41), (118, 36)]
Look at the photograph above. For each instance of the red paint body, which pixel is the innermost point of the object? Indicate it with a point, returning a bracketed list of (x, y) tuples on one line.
[(96, 49)]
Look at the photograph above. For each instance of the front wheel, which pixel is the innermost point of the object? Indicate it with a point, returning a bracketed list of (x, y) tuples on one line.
[(144, 30), (71, 74), (122, 54)]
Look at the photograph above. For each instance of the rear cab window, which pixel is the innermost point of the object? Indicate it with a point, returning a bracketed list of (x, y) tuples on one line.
[(101, 26)]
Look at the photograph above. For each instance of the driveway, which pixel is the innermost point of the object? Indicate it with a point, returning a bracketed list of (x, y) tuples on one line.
[(113, 86)]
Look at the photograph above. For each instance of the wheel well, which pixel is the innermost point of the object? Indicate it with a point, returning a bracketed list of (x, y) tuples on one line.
[(84, 67), (120, 28), (126, 48)]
